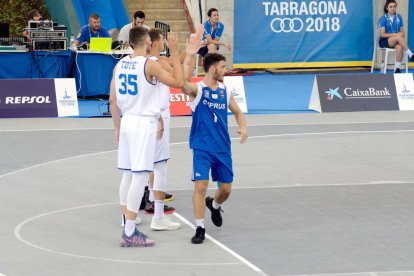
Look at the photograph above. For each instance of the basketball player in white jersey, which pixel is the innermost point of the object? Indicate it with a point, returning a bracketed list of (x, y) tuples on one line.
[(158, 183), (209, 138), (135, 94)]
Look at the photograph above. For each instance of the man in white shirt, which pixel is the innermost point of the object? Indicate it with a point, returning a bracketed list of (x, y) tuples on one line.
[(139, 18)]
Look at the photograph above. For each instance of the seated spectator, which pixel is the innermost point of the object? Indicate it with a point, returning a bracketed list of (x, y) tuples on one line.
[(392, 33), (139, 19), (93, 29), (213, 30), (34, 15)]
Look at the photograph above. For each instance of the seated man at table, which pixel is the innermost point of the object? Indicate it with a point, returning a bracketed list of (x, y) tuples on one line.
[(139, 19), (93, 29)]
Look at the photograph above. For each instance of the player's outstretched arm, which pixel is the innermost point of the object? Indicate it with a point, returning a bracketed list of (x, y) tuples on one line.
[(240, 119), (174, 79)]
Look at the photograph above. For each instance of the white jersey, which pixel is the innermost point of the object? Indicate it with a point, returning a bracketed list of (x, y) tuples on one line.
[(135, 94)]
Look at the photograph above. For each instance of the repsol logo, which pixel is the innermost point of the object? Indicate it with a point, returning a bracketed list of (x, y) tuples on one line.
[(27, 100)]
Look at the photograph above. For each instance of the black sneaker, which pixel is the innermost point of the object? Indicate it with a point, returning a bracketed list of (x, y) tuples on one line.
[(145, 199), (199, 235), (168, 197), (397, 71), (149, 209), (215, 213)]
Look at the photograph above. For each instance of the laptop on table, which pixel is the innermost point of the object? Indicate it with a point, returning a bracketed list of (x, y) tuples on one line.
[(100, 44)]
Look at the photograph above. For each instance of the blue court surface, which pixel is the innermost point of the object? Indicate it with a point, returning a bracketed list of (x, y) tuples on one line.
[(314, 194)]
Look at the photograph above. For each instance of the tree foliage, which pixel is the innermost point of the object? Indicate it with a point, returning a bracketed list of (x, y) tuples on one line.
[(15, 12)]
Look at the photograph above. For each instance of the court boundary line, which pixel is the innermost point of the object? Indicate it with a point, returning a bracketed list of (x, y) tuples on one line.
[(234, 138), (230, 125), (18, 227), (17, 231)]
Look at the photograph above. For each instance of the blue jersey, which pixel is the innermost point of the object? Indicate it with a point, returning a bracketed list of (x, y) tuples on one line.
[(209, 129), (86, 33), (391, 25), (208, 30)]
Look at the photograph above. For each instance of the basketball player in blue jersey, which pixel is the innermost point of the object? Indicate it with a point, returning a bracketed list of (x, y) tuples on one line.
[(209, 138), (135, 94)]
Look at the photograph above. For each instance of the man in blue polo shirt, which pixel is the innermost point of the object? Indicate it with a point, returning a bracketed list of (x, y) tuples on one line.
[(93, 29), (213, 30)]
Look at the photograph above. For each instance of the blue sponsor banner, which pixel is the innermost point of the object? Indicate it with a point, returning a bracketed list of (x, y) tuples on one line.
[(27, 98), (410, 24), (302, 33)]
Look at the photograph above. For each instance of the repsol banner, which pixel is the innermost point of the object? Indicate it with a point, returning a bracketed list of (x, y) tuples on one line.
[(180, 103), (341, 93), (38, 98), (302, 33)]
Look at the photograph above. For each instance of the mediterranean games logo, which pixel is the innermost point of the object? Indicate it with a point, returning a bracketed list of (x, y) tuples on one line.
[(332, 93)]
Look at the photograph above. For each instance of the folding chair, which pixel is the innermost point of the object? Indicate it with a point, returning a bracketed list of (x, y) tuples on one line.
[(387, 51)]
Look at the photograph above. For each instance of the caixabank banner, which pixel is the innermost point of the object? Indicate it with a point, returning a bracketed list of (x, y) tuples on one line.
[(34, 98), (302, 33), (343, 93)]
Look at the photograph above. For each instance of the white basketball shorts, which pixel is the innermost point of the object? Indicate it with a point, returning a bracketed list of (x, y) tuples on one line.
[(137, 143)]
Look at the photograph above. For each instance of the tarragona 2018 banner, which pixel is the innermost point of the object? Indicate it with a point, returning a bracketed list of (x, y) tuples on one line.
[(411, 24), (302, 33)]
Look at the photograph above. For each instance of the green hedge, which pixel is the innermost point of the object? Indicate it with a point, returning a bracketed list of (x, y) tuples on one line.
[(15, 13)]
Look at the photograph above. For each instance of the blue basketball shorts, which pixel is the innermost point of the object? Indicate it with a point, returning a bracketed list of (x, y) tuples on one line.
[(221, 166)]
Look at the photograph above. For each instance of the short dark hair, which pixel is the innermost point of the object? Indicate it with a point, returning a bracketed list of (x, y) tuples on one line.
[(137, 36), (387, 3), (94, 16), (210, 11), (212, 59), (139, 14), (32, 14), (155, 34)]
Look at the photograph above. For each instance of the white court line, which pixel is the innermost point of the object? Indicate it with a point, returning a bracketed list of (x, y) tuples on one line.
[(222, 246), (18, 228), (234, 138), (230, 125), (377, 273)]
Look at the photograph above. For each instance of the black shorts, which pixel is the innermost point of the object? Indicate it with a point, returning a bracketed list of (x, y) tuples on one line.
[(383, 42), (204, 50)]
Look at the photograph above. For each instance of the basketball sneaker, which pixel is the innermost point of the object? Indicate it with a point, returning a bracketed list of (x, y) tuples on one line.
[(164, 224), (168, 197), (137, 239), (215, 213), (199, 235)]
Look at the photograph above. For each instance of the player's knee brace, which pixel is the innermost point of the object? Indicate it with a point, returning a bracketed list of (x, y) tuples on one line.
[(160, 177), (124, 187), (136, 191)]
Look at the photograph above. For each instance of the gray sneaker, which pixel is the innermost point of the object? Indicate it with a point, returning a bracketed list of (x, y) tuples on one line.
[(137, 239)]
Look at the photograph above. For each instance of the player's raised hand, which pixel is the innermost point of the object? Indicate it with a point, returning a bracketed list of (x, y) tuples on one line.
[(173, 42), (194, 43)]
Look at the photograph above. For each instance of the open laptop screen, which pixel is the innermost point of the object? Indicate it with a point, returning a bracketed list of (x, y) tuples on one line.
[(100, 44)]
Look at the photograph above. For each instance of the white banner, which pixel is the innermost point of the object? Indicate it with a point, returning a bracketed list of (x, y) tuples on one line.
[(235, 85), (66, 97), (405, 90)]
